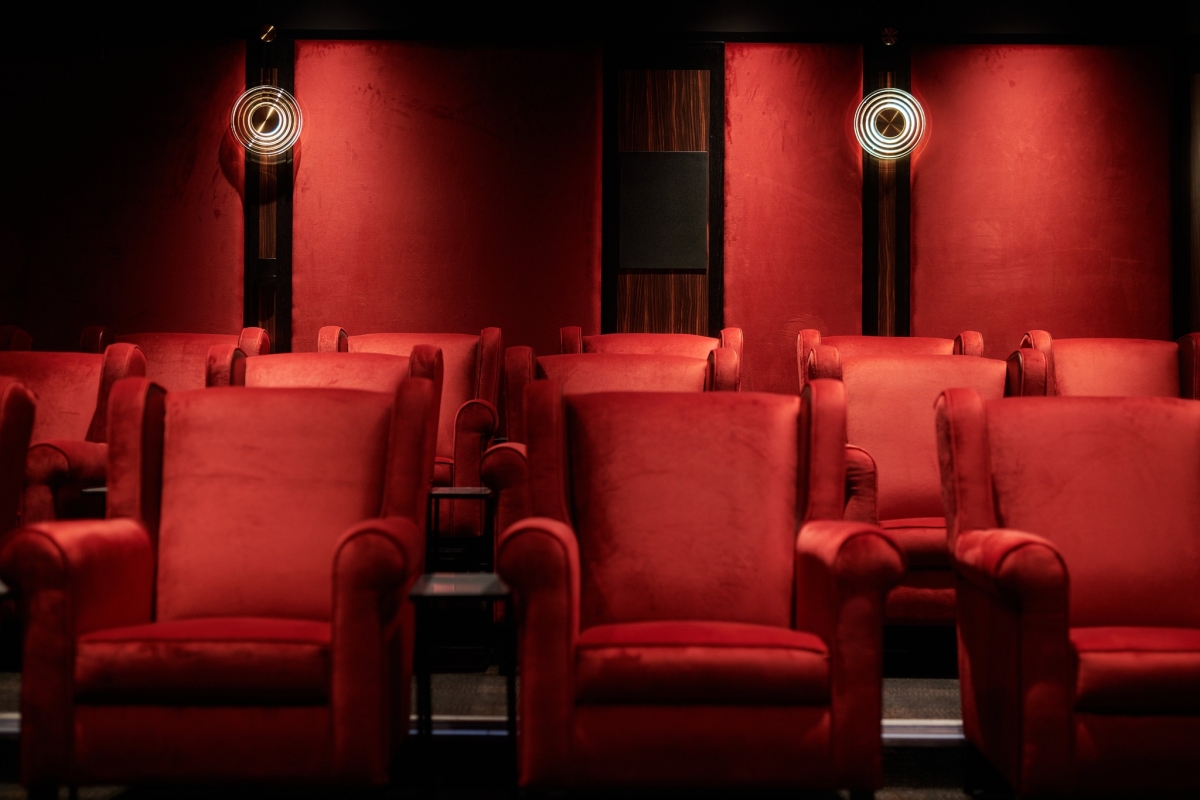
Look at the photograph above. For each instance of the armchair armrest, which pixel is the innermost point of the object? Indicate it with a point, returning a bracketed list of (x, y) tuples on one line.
[(1027, 374), (54, 463), (843, 573), (1015, 659), (968, 343), (724, 370), (861, 486), (504, 469), (332, 339), (520, 368), (824, 361), (72, 578), (539, 560), (225, 366), (96, 338), (570, 339), (374, 565)]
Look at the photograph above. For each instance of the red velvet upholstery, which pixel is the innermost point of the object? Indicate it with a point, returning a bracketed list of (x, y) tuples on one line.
[(1075, 524), (17, 408), (176, 361), (70, 428), (13, 338), (891, 415), (243, 612), (504, 471), (572, 340), (468, 420), (1105, 367), (675, 628)]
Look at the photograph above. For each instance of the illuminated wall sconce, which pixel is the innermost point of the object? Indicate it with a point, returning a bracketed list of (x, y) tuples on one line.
[(889, 123), (266, 120)]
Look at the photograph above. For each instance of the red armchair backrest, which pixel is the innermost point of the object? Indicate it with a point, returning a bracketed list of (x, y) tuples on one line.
[(890, 414), (1116, 367), (176, 361), (17, 407), (72, 388), (247, 490), (655, 483), (472, 366), (572, 340), (373, 372), (967, 343), (585, 373), (1112, 482)]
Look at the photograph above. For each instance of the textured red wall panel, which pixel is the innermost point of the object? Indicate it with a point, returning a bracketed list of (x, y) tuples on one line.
[(793, 201), (447, 189), (1041, 197), (120, 213)]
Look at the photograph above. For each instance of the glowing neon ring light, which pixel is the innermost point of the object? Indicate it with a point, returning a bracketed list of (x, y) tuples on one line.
[(889, 123), (266, 120)]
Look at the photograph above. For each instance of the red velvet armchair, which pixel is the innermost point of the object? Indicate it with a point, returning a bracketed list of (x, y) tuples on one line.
[(242, 613), (69, 434), (503, 468), (469, 420), (13, 338), (891, 386), (1075, 524), (692, 610), (176, 361), (1105, 367)]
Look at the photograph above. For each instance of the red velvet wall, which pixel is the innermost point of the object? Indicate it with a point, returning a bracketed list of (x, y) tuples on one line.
[(793, 201), (447, 189), (118, 212), (1041, 198)]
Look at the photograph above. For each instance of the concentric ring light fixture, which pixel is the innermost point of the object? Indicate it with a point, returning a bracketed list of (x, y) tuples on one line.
[(889, 123), (266, 120)]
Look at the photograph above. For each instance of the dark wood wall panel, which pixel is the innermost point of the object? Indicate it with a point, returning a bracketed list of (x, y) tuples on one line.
[(663, 110), (662, 302)]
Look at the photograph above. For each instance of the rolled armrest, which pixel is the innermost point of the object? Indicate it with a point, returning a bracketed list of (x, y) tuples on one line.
[(843, 573), (504, 469), (1016, 665), (374, 565), (861, 486), (968, 343), (570, 339), (824, 361), (225, 366), (732, 338), (1019, 567), (475, 426), (72, 578), (95, 339), (332, 339), (55, 463), (1028, 374), (539, 559), (724, 370)]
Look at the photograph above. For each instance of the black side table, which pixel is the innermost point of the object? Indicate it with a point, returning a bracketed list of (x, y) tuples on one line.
[(443, 588), (485, 545)]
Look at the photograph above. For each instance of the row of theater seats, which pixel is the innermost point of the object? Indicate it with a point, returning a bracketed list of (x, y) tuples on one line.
[(675, 629)]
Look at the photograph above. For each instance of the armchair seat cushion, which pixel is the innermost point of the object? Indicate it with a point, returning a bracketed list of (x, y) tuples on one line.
[(701, 663), (224, 661), (1138, 670), (923, 540)]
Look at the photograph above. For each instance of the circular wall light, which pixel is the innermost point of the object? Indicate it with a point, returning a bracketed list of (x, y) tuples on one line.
[(266, 120), (889, 123)]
